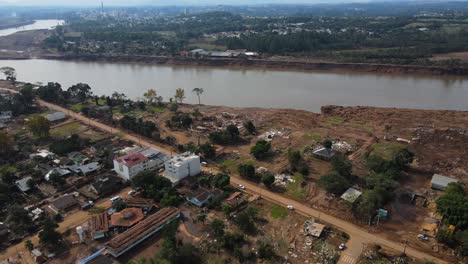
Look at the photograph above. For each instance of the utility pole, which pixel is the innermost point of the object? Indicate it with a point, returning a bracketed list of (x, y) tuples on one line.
[(404, 248)]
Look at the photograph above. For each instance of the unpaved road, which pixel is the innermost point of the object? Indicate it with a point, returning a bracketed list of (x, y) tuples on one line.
[(358, 235)]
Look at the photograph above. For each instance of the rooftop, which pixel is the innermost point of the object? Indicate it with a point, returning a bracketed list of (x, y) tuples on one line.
[(55, 116), (127, 217), (442, 180), (177, 160), (132, 159), (351, 195), (64, 202), (23, 184), (121, 243), (99, 223)]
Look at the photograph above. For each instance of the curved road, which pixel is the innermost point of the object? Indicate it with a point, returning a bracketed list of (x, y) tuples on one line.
[(359, 236)]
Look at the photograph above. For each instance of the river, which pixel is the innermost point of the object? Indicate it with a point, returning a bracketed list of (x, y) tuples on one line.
[(253, 87), (38, 24)]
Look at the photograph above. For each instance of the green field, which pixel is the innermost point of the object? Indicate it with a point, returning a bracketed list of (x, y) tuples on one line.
[(387, 150), (278, 211)]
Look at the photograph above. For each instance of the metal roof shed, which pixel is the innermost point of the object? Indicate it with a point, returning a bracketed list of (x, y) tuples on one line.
[(440, 182), (351, 195)]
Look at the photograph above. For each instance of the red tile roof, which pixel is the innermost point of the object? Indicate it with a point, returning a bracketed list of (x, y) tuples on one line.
[(132, 159), (127, 217)]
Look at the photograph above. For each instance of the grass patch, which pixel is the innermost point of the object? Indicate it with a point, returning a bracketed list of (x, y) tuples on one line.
[(66, 130), (96, 210), (363, 126), (387, 150), (312, 136), (295, 190), (334, 121), (229, 165), (77, 107), (93, 135), (155, 108), (207, 46), (278, 211)]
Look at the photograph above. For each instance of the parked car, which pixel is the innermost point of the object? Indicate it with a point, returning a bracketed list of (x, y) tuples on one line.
[(115, 199), (132, 192), (290, 207), (423, 237), (342, 246), (240, 186)]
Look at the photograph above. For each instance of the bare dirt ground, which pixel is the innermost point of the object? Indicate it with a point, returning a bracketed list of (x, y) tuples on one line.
[(452, 55)]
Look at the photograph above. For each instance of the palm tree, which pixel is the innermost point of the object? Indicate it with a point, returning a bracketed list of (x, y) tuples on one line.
[(199, 92)]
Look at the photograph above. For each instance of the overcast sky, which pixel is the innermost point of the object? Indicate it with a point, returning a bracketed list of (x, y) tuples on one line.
[(162, 2)]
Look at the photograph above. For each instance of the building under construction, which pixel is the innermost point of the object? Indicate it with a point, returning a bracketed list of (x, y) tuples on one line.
[(143, 230)]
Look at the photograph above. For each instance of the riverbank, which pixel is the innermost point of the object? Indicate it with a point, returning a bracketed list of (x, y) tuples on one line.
[(250, 63), (17, 25)]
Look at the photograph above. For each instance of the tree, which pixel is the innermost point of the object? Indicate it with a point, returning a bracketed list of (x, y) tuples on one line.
[(218, 228), (80, 91), (39, 126), (369, 202), (18, 220), (154, 186), (265, 250), (327, 144), (250, 127), (49, 235), (342, 165), (6, 144), (453, 205), (10, 73), (152, 96), (57, 180), (198, 92), (227, 209), (207, 150), (170, 200), (201, 217), (246, 220), (246, 170), (233, 131), (52, 92), (179, 95), (119, 205), (221, 180), (333, 183), (268, 180), (28, 245), (295, 159), (261, 149)]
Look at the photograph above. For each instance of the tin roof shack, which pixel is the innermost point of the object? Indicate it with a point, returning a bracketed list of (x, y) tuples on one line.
[(64, 203), (324, 153), (145, 204), (99, 225), (23, 184), (57, 116), (143, 230), (104, 185), (440, 182), (311, 228), (351, 195), (235, 200)]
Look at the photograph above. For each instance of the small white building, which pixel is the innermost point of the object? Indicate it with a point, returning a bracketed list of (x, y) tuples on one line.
[(181, 166), (23, 184), (440, 182), (57, 116), (143, 159)]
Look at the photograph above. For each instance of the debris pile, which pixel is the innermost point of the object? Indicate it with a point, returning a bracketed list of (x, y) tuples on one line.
[(283, 179)]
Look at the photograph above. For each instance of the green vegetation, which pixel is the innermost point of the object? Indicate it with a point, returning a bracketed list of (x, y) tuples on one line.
[(261, 149), (39, 126), (278, 211), (66, 130), (386, 150), (229, 136), (296, 189), (334, 121), (154, 186)]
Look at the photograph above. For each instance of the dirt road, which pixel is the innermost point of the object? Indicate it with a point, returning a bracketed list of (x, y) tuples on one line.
[(358, 234)]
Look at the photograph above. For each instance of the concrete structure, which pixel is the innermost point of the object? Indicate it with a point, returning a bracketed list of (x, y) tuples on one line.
[(23, 184), (311, 228), (181, 166), (351, 195), (440, 182), (201, 196), (143, 230), (138, 161)]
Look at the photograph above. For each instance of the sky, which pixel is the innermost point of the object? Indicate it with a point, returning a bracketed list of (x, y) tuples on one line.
[(161, 2)]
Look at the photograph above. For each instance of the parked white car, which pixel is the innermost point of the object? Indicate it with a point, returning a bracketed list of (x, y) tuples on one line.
[(423, 237), (240, 186), (290, 207), (342, 246), (131, 193)]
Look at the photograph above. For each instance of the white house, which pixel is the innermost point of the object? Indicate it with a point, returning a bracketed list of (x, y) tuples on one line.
[(181, 166), (143, 159)]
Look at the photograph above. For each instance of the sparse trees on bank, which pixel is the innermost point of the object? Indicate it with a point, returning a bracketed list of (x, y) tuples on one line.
[(198, 92), (179, 95)]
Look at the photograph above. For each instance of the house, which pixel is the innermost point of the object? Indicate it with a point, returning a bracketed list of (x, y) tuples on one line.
[(138, 161), (104, 185), (99, 226), (312, 228), (201, 196), (36, 214), (324, 153), (181, 166), (440, 182), (141, 231), (57, 171), (54, 117), (235, 200), (351, 195), (38, 256), (77, 157), (23, 184), (63, 203), (89, 168), (127, 217), (44, 154), (145, 204)]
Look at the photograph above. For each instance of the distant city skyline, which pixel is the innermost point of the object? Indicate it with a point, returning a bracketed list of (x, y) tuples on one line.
[(165, 2)]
